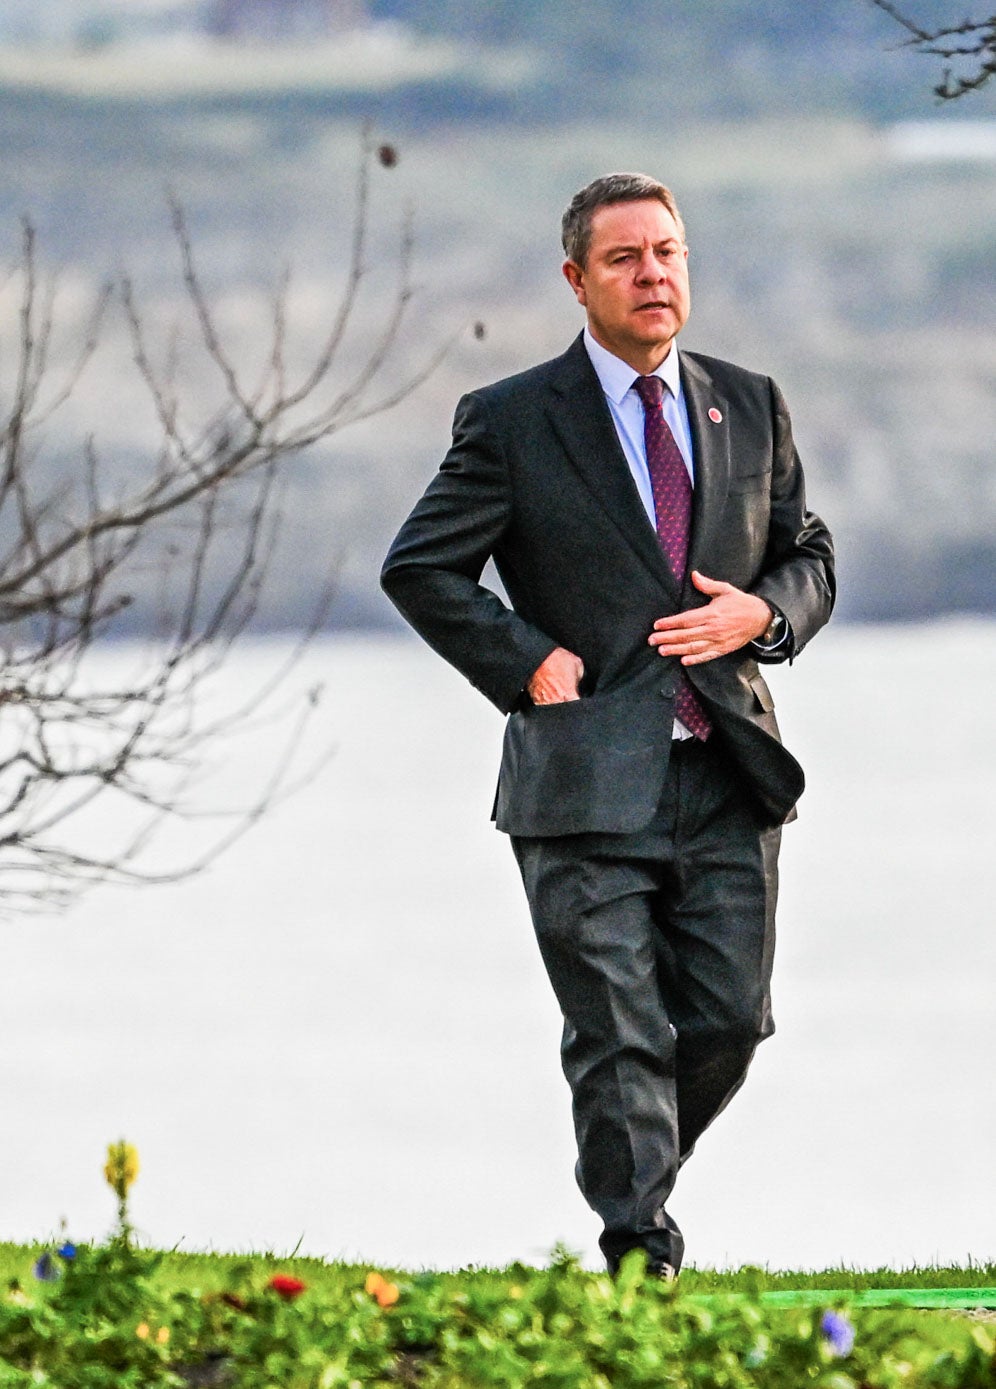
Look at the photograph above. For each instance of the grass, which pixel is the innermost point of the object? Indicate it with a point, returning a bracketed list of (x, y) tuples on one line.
[(210, 1272), (117, 1316)]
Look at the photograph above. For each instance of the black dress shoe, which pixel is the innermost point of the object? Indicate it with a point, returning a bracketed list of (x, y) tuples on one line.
[(654, 1269)]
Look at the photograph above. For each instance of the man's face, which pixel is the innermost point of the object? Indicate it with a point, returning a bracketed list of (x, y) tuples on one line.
[(634, 287)]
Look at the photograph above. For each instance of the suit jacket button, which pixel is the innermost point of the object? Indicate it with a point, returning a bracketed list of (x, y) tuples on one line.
[(667, 691)]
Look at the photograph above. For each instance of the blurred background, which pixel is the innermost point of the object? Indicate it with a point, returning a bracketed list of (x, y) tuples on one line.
[(840, 221), (342, 1030)]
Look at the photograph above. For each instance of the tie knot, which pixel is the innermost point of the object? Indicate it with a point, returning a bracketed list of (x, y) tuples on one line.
[(650, 389)]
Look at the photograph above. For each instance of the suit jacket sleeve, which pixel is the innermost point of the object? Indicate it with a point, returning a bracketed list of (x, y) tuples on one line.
[(432, 571), (798, 575)]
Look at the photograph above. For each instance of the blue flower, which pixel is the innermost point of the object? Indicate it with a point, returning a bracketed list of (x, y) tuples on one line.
[(837, 1332), (46, 1269), (67, 1250)]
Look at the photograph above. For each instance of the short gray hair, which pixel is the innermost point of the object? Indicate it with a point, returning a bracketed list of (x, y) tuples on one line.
[(575, 227)]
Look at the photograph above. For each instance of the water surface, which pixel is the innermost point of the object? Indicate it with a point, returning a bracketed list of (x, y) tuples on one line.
[(342, 1034)]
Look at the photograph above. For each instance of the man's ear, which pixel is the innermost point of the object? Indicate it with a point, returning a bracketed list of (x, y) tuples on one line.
[(574, 276)]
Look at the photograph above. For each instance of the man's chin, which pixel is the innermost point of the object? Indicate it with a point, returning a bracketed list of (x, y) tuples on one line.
[(655, 328), (655, 343)]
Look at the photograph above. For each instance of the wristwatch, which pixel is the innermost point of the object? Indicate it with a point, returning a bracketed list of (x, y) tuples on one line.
[(774, 631)]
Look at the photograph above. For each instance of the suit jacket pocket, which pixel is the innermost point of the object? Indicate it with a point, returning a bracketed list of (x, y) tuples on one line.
[(595, 764)]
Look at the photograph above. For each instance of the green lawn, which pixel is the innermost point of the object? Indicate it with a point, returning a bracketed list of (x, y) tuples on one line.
[(117, 1316), (212, 1271)]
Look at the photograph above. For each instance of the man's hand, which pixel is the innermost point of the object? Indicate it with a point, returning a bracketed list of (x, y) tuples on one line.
[(558, 679), (728, 621)]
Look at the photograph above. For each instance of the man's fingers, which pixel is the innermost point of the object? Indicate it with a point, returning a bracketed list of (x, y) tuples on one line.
[(679, 634), (677, 621), (687, 648), (706, 585), (694, 647), (727, 622), (558, 679), (690, 641), (700, 649)]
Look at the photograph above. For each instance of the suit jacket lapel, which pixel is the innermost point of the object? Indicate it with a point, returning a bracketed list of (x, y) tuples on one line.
[(711, 446), (581, 418)]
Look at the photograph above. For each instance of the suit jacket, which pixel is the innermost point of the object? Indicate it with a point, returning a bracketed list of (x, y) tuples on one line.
[(536, 479)]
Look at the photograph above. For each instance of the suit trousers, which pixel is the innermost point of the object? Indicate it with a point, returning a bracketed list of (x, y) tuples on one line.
[(659, 946)]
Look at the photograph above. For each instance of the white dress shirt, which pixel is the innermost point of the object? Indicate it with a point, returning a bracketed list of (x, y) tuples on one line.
[(626, 407), (627, 412)]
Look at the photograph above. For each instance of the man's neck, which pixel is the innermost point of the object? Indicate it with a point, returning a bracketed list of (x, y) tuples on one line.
[(644, 363), (616, 375)]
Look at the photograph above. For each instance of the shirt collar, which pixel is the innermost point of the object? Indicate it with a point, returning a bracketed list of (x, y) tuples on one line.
[(617, 376)]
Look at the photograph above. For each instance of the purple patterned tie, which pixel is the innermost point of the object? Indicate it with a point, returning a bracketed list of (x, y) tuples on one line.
[(672, 489)]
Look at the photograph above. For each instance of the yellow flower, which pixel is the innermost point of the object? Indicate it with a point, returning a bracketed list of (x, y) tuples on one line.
[(384, 1293), (143, 1331), (121, 1167)]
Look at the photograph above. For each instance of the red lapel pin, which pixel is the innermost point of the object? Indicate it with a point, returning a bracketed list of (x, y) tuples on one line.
[(716, 415)]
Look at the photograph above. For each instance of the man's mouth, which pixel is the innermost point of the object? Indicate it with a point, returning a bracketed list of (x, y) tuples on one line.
[(656, 304)]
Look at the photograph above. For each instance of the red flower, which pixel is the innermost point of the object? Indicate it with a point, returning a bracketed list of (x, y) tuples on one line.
[(286, 1287)]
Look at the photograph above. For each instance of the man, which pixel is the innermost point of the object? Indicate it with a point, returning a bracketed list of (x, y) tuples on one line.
[(646, 513)]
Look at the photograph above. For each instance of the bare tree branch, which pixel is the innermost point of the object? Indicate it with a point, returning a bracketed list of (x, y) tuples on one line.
[(79, 734), (971, 39)]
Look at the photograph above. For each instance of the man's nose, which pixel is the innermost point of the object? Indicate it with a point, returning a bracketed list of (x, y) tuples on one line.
[(649, 270)]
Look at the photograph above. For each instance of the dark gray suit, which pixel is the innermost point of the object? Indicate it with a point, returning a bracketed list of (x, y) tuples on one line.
[(536, 478)]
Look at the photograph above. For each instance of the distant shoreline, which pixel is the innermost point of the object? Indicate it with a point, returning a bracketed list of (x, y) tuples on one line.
[(371, 61)]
